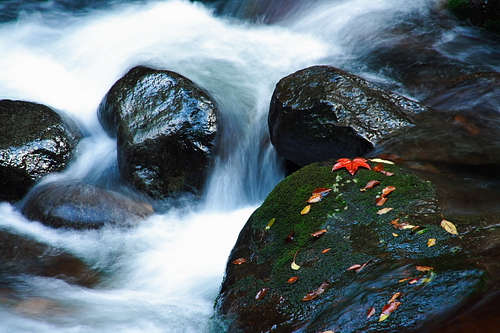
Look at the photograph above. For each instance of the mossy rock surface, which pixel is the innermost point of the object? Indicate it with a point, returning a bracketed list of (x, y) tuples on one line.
[(255, 295)]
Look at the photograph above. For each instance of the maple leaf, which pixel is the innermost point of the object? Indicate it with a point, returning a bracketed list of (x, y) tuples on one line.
[(351, 166)]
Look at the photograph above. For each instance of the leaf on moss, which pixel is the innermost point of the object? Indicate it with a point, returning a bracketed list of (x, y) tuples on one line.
[(370, 312), (384, 210), (449, 226), (294, 264), (380, 201), (325, 250), (351, 166), (290, 237), (369, 185), (239, 261), (293, 279), (319, 233), (388, 309), (424, 268), (313, 294), (380, 168), (305, 210), (261, 294), (402, 225), (380, 160), (431, 242), (270, 224)]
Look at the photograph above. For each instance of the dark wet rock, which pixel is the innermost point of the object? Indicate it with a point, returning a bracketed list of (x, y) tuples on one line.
[(464, 267), (165, 127), (76, 205), (34, 142), (322, 112), (21, 255)]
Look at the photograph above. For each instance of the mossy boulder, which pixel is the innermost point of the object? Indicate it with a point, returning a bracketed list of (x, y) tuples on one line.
[(255, 295)]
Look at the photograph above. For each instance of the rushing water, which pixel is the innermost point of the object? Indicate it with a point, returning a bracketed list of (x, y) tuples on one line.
[(164, 275)]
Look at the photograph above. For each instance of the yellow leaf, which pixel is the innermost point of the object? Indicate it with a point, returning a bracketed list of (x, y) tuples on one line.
[(450, 227), (270, 224), (295, 266), (431, 242), (395, 234), (383, 317), (384, 210), (379, 160), (305, 210)]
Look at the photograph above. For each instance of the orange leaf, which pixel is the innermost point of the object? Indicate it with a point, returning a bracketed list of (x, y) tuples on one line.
[(387, 190), (293, 279), (394, 297), (384, 210), (388, 309), (380, 201), (305, 210), (354, 267), (313, 294), (380, 168), (261, 294), (321, 190), (370, 184), (370, 312), (239, 261), (351, 166), (424, 268), (315, 198), (318, 234), (325, 250)]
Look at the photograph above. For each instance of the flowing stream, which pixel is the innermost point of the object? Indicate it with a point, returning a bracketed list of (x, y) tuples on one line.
[(164, 275)]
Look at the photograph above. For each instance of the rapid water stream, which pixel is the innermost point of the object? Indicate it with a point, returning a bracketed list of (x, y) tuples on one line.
[(164, 275)]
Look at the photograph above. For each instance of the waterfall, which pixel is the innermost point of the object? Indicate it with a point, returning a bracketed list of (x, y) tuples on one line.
[(164, 275)]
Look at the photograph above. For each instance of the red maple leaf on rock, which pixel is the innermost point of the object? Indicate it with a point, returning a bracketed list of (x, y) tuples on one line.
[(351, 166)]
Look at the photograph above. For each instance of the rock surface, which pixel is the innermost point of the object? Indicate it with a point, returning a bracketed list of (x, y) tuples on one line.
[(34, 142), (76, 205), (165, 127), (393, 247)]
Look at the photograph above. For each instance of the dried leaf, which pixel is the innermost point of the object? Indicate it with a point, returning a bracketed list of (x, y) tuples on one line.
[(431, 242), (351, 166), (380, 160), (290, 237), (394, 297), (380, 201), (388, 309), (319, 233), (395, 234), (261, 294), (370, 184), (305, 210), (387, 190), (315, 198), (380, 168), (384, 210), (370, 312), (295, 266), (358, 267), (313, 294), (424, 268), (354, 267), (293, 279), (327, 332), (321, 190), (325, 250), (239, 261), (406, 279), (450, 227), (270, 224)]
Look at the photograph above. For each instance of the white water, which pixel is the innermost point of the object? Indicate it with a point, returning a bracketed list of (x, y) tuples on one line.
[(164, 276)]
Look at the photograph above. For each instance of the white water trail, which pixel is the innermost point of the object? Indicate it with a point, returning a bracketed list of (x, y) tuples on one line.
[(164, 275)]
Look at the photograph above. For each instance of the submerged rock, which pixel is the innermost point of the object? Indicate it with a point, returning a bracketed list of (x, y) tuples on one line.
[(165, 127), (34, 142), (322, 112), (347, 256), (20, 255), (76, 205)]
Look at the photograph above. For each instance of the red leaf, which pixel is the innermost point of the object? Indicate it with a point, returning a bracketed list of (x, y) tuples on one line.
[(318, 234), (370, 184), (313, 294), (261, 294), (239, 261), (351, 166), (388, 308), (321, 190), (370, 312), (293, 279)]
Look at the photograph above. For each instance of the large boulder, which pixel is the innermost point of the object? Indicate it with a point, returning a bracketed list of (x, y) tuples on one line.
[(338, 266), (77, 205), (165, 127), (322, 112), (21, 255), (35, 141)]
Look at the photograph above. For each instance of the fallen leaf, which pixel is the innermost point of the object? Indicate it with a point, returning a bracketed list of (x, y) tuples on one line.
[(313, 294), (450, 227), (380, 201), (370, 312), (351, 166), (305, 210), (290, 237), (370, 184), (327, 332), (354, 267), (294, 265), (413, 281), (261, 294), (387, 190), (395, 297), (384, 210), (319, 233), (239, 261), (293, 279), (431, 242), (270, 224), (321, 190), (402, 225), (395, 234), (465, 123), (357, 268), (424, 268), (388, 309), (406, 279), (325, 250), (380, 160), (315, 198)]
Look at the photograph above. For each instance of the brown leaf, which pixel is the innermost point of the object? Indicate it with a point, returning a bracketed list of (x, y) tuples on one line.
[(239, 261), (370, 312), (357, 267), (313, 294), (293, 279), (394, 297), (319, 233), (370, 184), (380, 201), (305, 210), (321, 190), (315, 198), (384, 210), (388, 309), (402, 225), (380, 168), (261, 294), (450, 227), (290, 237), (387, 190), (424, 268), (354, 267), (465, 123)]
